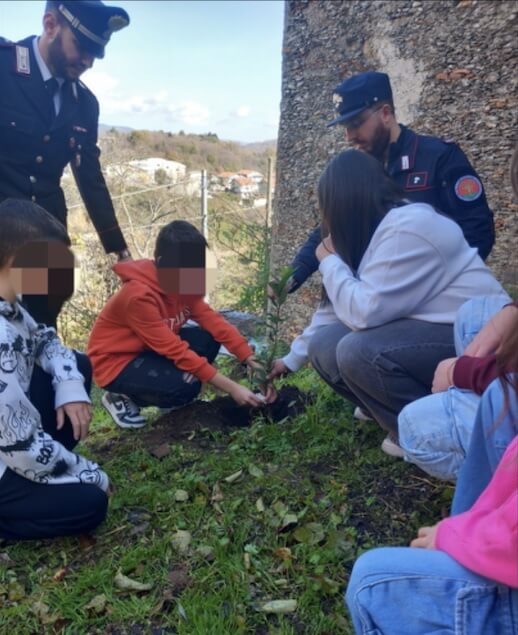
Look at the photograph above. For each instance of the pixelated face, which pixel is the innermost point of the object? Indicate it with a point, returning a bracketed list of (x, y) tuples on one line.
[(197, 275), (368, 132), (44, 268), (66, 56)]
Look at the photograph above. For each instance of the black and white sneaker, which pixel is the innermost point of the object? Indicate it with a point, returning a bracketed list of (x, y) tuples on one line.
[(124, 412)]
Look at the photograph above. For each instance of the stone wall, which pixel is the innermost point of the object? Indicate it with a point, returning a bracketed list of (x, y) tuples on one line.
[(453, 69)]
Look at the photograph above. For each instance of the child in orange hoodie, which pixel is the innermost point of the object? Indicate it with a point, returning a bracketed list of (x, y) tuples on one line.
[(141, 351)]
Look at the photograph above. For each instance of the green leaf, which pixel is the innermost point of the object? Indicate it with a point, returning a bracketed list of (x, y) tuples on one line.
[(310, 534)]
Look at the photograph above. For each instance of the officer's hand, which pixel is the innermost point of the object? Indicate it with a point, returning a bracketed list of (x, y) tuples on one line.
[(124, 256)]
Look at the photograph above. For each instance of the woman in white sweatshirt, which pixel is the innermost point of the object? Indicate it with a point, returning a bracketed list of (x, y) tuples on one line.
[(395, 274)]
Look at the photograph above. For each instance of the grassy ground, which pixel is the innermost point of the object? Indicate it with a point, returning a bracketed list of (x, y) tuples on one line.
[(221, 525)]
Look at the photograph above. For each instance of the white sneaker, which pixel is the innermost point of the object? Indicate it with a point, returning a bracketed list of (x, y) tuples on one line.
[(361, 414), (391, 447), (123, 411)]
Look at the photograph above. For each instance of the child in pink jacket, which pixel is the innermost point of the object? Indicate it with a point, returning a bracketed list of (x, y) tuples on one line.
[(461, 575)]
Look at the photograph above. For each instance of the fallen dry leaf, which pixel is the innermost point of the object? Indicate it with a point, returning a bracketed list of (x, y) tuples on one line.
[(97, 604), (283, 553), (279, 606), (234, 477), (161, 451), (127, 584), (217, 494), (60, 574), (6, 560), (181, 540)]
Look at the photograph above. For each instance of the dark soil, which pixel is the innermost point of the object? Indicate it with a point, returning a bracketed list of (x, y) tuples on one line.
[(217, 415), (220, 414)]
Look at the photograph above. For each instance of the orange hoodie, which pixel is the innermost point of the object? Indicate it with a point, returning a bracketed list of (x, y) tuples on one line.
[(141, 317)]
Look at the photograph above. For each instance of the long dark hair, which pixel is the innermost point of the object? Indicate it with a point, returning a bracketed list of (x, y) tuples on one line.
[(354, 194)]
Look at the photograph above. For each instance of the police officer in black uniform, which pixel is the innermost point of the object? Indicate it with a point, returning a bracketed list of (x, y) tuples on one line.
[(429, 169), (48, 119)]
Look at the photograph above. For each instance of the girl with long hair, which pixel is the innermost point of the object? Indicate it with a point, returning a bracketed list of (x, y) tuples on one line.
[(395, 274)]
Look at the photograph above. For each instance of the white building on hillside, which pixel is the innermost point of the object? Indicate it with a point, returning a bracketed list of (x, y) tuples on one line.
[(148, 171)]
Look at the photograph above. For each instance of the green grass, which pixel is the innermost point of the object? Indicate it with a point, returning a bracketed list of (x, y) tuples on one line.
[(327, 472)]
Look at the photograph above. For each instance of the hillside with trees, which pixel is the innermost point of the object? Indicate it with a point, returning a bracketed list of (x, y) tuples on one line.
[(196, 152)]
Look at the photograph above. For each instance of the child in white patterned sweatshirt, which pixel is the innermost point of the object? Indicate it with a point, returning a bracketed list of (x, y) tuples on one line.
[(46, 490)]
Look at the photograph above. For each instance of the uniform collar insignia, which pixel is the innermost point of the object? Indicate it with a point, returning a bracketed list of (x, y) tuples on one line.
[(23, 61)]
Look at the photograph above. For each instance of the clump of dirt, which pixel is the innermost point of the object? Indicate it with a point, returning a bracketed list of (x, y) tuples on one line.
[(220, 414)]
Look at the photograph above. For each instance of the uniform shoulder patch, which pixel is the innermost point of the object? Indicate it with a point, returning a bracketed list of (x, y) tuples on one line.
[(468, 188)]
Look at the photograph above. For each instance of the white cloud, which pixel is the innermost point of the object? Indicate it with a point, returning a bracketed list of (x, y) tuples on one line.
[(100, 83), (190, 112), (242, 112), (112, 102)]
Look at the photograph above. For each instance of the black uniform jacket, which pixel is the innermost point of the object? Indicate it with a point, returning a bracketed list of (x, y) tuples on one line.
[(431, 171), (35, 145)]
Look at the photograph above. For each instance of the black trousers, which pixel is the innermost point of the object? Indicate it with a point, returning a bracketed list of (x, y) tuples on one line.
[(35, 510), (153, 380)]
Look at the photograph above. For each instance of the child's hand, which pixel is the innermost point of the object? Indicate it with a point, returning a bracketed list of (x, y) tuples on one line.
[(244, 397), (80, 415), (443, 377), (270, 394), (498, 329), (425, 538), (325, 249)]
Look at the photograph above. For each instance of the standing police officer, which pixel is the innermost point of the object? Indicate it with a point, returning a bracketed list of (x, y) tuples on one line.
[(428, 169), (48, 118)]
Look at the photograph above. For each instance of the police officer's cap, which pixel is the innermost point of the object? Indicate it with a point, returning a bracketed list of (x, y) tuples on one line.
[(92, 22), (359, 93)]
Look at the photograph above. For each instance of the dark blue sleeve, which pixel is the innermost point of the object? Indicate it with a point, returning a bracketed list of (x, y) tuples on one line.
[(305, 262), (462, 197)]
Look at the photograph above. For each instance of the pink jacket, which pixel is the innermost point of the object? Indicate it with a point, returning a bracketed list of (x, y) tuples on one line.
[(485, 538)]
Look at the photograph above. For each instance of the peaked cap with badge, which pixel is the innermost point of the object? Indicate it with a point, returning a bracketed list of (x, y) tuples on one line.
[(93, 22), (36, 144), (358, 93)]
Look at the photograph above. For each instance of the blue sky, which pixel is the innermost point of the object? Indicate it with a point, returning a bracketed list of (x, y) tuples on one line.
[(195, 66)]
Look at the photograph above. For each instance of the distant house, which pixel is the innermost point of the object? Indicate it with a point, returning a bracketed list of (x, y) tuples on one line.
[(148, 171), (224, 180), (255, 176), (245, 187)]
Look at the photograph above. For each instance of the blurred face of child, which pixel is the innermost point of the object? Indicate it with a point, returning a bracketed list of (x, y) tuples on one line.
[(191, 270), (44, 268)]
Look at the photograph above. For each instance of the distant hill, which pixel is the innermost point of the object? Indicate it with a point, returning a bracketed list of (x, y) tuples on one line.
[(197, 152), (104, 127)]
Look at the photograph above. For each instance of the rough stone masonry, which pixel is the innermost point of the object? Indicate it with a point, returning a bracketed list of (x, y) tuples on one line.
[(453, 69)]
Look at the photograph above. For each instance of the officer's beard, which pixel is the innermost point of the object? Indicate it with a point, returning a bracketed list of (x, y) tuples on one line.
[(57, 60), (380, 142)]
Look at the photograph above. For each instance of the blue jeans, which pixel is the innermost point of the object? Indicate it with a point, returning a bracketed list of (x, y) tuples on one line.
[(152, 379), (383, 368), (495, 427), (435, 431), (404, 591)]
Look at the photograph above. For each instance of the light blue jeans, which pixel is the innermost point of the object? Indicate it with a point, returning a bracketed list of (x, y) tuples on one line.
[(404, 591), (435, 431)]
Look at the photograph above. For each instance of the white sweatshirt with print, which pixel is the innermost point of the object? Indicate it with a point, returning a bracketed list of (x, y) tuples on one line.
[(25, 447), (417, 265)]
